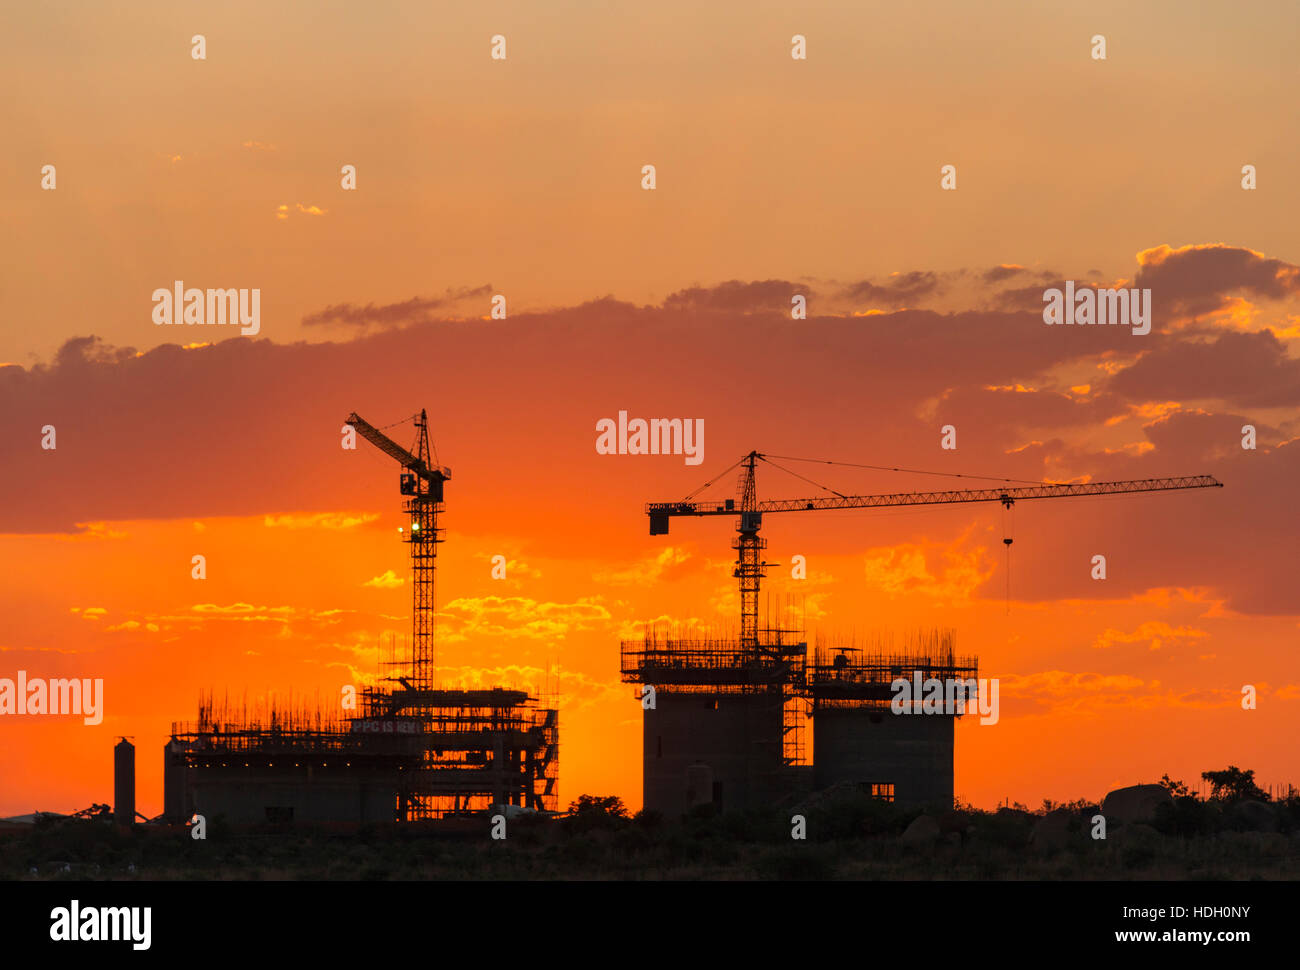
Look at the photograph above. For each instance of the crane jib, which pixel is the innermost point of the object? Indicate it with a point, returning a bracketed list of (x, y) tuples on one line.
[(388, 446), (660, 512), (750, 568)]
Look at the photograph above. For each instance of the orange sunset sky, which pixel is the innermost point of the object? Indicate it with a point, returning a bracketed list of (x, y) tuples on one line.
[(775, 177)]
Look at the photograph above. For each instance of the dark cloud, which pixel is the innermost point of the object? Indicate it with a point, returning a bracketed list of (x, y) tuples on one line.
[(897, 290), (735, 295), (1245, 369), (1026, 298), (1199, 279), (80, 351), (999, 273), (409, 311), (1015, 409), (248, 427)]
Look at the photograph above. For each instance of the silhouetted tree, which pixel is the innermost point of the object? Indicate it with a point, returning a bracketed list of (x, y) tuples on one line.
[(591, 813), (610, 805), (1233, 784), (1186, 815), (1176, 788)]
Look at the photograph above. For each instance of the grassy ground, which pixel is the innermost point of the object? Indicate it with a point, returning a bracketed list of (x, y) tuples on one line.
[(849, 839)]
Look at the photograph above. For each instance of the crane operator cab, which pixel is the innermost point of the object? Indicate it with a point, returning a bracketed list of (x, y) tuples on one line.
[(410, 484)]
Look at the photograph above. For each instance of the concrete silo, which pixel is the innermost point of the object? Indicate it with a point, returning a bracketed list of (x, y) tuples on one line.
[(124, 783)]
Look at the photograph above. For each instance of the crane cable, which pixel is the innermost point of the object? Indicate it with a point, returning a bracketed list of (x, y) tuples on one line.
[(1006, 541), (849, 464), (824, 488), (712, 480), (432, 447), (910, 471), (1007, 509)]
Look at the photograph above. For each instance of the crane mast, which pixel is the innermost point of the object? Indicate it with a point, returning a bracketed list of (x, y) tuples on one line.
[(422, 483), (750, 569)]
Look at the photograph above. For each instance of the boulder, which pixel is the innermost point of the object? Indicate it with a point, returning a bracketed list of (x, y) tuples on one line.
[(1055, 830), (1137, 803), (1256, 816), (924, 830), (954, 821), (1134, 833)]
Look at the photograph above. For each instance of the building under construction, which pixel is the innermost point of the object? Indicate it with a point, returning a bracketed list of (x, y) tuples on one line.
[(896, 752), (409, 750), (726, 725), (722, 717), (458, 752)]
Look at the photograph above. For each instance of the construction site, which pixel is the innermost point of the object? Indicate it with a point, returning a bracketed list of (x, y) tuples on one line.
[(410, 750), (723, 718)]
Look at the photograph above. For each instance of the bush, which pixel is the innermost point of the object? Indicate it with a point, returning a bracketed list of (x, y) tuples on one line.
[(1187, 816), (854, 816), (1008, 829), (797, 864), (1137, 856), (648, 819), (592, 812)]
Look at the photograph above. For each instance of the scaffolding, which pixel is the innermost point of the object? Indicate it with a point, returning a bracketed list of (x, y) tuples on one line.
[(260, 764), (710, 665), (851, 677), (839, 677), (263, 730), (478, 748), (722, 666), (447, 752)]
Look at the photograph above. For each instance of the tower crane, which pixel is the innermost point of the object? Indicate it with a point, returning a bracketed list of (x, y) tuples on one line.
[(422, 482), (749, 511)]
